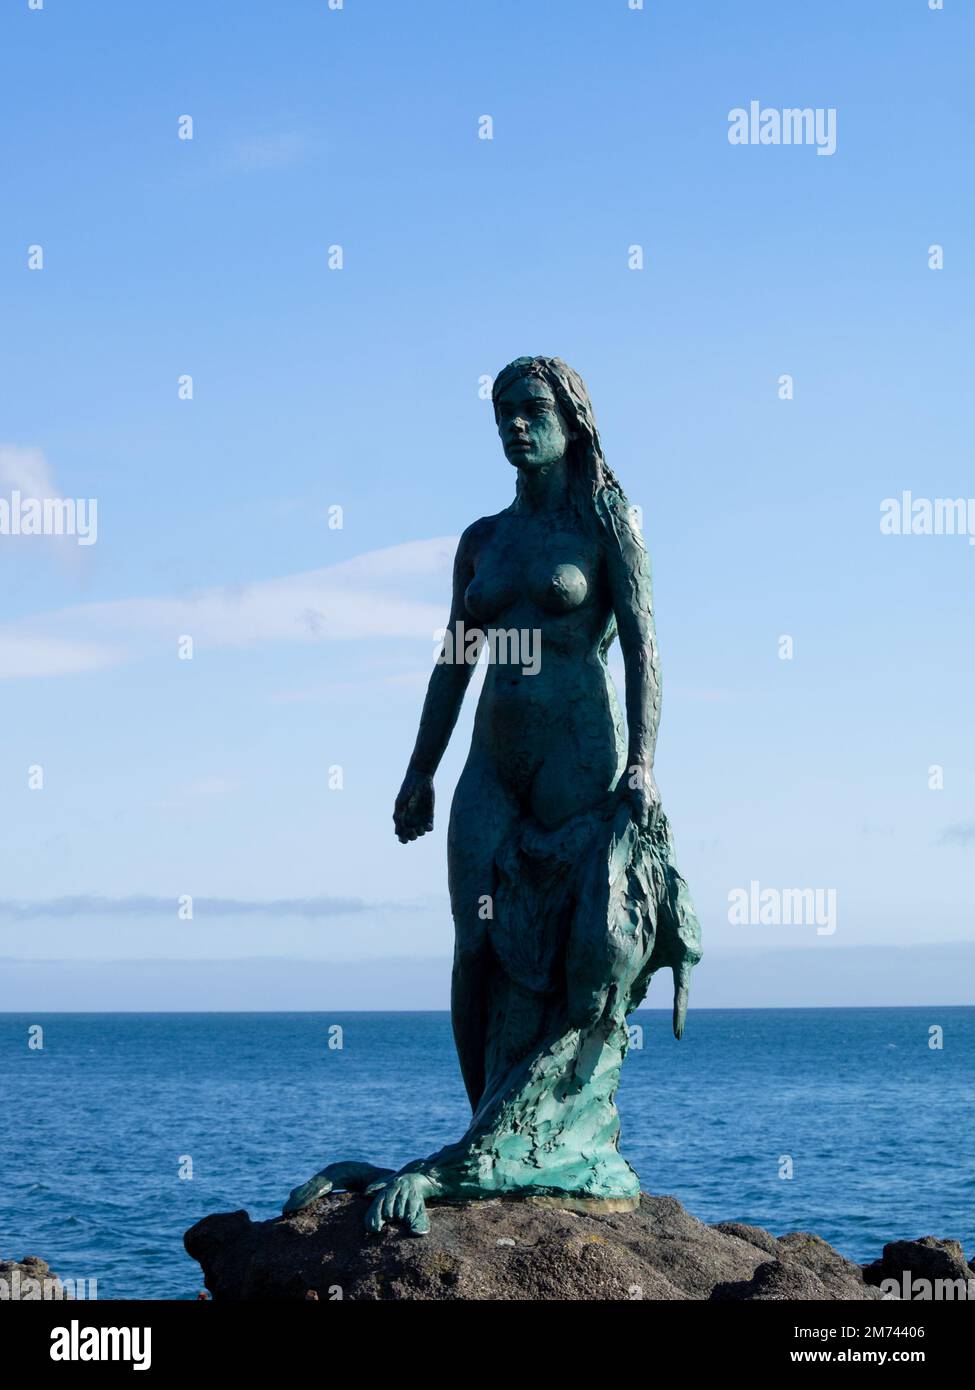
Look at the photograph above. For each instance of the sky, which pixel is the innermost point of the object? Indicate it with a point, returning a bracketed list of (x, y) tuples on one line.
[(359, 387)]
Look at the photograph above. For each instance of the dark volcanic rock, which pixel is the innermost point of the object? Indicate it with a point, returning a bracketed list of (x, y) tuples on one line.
[(775, 1281), (514, 1250), (754, 1235), (929, 1258), (804, 1267)]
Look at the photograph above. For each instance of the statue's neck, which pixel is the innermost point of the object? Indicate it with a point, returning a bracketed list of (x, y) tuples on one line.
[(544, 490)]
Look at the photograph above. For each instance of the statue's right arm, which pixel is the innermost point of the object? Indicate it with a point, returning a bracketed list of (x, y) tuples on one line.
[(450, 679)]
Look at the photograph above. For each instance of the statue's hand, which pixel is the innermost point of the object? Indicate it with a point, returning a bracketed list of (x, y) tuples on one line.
[(349, 1176), (638, 788), (413, 812), (401, 1199)]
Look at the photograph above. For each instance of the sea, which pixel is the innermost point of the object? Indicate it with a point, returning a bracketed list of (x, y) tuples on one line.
[(119, 1131)]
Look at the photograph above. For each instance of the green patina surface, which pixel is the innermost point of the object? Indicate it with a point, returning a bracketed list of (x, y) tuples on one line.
[(564, 890)]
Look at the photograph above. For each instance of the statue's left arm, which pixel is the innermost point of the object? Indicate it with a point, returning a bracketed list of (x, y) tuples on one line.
[(631, 594)]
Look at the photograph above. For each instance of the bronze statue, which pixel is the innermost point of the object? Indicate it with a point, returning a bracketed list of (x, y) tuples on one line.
[(563, 887)]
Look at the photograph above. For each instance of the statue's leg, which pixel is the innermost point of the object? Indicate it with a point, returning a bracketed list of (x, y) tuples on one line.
[(482, 816)]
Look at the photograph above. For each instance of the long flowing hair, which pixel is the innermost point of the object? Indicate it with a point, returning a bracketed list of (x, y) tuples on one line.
[(589, 475)]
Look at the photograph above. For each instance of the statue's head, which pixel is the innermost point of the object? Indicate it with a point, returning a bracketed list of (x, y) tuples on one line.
[(544, 415), (536, 412), (533, 428)]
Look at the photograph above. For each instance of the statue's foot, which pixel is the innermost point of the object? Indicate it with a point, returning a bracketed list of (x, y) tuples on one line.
[(347, 1177), (401, 1198)]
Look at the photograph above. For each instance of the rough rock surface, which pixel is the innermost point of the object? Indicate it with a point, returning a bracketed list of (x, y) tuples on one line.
[(25, 1280), (928, 1258), (516, 1250)]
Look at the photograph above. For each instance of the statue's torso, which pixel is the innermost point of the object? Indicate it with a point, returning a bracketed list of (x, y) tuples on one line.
[(545, 579), (548, 575)]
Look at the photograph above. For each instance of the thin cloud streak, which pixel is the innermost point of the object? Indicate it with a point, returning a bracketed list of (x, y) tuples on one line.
[(365, 597), (143, 905)]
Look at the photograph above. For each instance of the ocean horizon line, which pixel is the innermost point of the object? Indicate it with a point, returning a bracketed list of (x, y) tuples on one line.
[(331, 1013)]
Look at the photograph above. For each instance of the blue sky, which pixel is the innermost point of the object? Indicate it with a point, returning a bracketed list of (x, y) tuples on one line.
[(359, 388)]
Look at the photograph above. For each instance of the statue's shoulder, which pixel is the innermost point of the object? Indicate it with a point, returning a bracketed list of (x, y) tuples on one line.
[(478, 533)]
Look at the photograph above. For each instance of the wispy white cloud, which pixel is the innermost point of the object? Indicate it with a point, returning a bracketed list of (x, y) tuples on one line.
[(27, 470), (144, 905), (22, 654), (368, 596)]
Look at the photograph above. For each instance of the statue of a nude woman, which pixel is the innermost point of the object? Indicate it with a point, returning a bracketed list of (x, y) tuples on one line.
[(563, 888)]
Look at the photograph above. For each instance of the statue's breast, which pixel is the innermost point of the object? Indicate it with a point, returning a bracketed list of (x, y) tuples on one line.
[(492, 590), (558, 588), (555, 588), (554, 570)]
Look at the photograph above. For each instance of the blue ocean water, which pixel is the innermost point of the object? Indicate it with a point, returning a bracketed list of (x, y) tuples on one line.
[(98, 1125)]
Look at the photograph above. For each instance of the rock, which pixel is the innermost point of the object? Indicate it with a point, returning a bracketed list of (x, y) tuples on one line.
[(804, 1267), (31, 1278), (833, 1270), (514, 1249), (928, 1258), (754, 1235), (778, 1281)]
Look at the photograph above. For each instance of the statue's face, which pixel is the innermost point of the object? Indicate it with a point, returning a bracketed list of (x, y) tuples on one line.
[(532, 428)]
